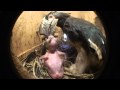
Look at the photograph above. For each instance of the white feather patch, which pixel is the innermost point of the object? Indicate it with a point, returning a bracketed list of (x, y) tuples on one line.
[(94, 46), (64, 37), (102, 41)]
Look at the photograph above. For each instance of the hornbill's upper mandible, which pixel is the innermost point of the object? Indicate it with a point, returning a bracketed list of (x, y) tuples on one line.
[(80, 30)]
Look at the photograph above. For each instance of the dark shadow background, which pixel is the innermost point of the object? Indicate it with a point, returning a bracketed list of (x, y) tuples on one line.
[(110, 20)]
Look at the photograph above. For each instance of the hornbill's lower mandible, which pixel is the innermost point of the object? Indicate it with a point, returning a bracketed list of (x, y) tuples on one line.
[(81, 33)]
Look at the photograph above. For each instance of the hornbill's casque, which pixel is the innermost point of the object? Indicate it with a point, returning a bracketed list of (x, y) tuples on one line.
[(85, 37)]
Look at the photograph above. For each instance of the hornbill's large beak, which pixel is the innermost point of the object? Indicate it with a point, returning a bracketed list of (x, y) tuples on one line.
[(48, 26)]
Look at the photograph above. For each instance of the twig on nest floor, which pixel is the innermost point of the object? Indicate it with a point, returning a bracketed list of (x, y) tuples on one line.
[(78, 76)]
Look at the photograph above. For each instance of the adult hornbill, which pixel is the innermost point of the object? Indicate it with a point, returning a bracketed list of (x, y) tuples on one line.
[(85, 37)]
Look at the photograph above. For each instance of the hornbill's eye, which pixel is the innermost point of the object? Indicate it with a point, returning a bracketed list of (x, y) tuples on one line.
[(50, 16)]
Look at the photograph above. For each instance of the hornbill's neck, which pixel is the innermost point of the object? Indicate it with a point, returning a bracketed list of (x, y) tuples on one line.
[(62, 19)]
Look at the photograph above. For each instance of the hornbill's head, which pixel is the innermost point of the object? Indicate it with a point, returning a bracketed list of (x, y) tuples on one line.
[(48, 25), (51, 20), (58, 17)]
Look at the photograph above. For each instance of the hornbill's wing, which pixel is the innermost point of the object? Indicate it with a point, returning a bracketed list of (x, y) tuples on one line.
[(90, 35)]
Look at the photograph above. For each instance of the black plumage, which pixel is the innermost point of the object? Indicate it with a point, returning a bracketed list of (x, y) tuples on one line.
[(79, 30)]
